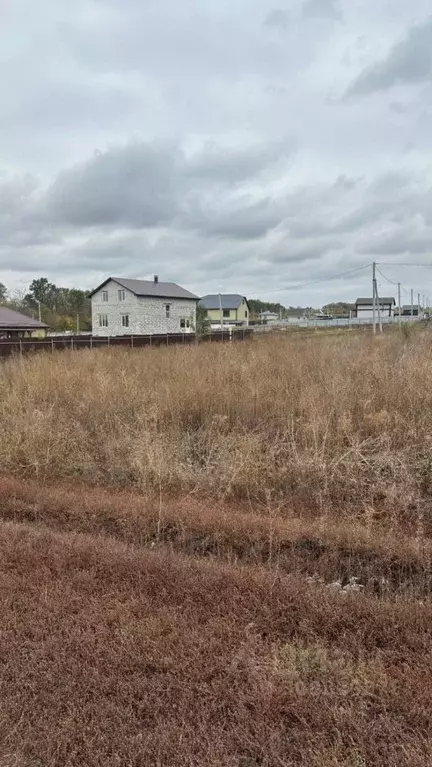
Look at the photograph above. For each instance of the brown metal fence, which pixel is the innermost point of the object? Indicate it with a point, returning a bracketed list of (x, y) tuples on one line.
[(57, 343)]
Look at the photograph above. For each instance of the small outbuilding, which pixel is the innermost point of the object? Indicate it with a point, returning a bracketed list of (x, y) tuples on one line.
[(16, 325), (406, 311), (364, 307), (268, 316)]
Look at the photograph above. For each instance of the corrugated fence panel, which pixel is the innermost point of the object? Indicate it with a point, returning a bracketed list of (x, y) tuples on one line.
[(53, 343)]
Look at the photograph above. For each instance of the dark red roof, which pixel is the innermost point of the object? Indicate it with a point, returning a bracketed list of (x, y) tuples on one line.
[(11, 320)]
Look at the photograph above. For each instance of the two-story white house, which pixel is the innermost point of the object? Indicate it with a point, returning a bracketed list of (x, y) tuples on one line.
[(141, 307)]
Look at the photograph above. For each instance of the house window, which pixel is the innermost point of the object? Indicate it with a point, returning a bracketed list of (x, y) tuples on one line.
[(184, 323), (122, 295), (246, 314), (103, 320), (125, 320), (167, 311), (226, 313), (104, 296)]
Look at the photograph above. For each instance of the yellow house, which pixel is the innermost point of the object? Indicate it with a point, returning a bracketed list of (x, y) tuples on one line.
[(234, 308)]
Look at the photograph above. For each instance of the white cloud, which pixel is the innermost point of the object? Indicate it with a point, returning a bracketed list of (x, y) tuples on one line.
[(209, 142)]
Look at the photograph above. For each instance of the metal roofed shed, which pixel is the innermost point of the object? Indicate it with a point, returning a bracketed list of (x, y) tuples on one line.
[(364, 306), (16, 325)]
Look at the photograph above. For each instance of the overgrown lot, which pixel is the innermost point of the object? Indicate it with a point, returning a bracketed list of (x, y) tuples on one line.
[(335, 423), (218, 557)]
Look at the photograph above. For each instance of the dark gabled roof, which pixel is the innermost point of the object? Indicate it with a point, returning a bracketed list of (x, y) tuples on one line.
[(145, 288), (229, 301), (370, 301), (11, 320)]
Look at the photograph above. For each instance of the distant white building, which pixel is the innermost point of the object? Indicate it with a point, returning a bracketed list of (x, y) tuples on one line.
[(364, 307), (142, 307), (268, 316)]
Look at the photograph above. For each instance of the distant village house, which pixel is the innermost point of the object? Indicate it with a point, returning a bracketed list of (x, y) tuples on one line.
[(123, 306), (235, 309)]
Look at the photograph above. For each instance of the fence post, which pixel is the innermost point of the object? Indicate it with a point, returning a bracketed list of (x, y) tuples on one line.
[(131, 342), (52, 345), (108, 340), (91, 342), (167, 340), (20, 347), (72, 344)]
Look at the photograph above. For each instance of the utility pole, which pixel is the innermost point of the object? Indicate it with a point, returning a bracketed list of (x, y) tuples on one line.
[(378, 305), (379, 314), (221, 311), (374, 296), (399, 304), (412, 304)]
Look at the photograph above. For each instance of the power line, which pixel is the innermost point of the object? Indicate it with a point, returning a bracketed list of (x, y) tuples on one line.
[(317, 282), (387, 263), (386, 278), (392, 281)]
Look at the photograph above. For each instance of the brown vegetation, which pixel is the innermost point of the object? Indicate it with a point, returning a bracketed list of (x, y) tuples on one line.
[(179, 531), (387, 562), (113, 655), (332, 423)]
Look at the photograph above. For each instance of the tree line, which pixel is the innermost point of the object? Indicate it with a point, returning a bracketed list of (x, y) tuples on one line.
[(60, 308)]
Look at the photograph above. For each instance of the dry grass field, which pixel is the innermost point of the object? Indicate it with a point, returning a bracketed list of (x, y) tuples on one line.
[(218, 556)]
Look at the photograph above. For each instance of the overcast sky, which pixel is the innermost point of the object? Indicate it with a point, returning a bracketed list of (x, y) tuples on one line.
[(242, 146)]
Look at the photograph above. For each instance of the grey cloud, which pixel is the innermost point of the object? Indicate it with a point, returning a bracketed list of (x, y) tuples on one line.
[(302, 252), (151, 185), (277, 18), (400, 242), (233, 165), (322, 8), (21, 222), (239, 219), (409, 61), (147, 186), (131, 185), (398, 108)]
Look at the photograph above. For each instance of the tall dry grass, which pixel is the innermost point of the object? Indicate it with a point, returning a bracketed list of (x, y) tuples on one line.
[(332, 423)]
